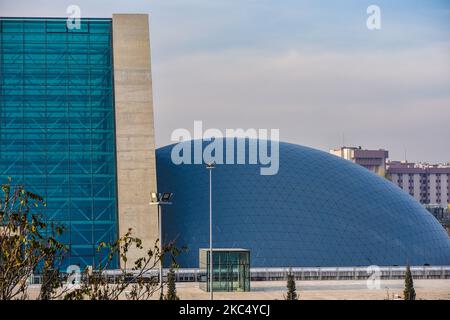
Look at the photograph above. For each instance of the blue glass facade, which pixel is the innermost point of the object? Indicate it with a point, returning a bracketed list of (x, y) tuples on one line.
[(319, 210), (57, 124)]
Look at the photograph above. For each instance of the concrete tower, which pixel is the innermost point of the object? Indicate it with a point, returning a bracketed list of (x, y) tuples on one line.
[(135, 139)]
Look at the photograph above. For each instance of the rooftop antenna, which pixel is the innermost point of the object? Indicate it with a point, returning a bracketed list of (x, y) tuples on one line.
[(343, 139)]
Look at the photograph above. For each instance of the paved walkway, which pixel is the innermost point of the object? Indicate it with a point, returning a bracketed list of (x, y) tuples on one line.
[(325, 290), (314, 290)]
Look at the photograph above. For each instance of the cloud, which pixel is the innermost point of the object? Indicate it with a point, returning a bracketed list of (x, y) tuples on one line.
[(312, 96), (309, 68)]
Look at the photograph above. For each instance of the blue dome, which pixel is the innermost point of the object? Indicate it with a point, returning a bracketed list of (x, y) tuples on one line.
[(319, 210)]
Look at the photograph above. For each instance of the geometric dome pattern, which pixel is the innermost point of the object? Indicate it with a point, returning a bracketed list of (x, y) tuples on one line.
[(318, 211)]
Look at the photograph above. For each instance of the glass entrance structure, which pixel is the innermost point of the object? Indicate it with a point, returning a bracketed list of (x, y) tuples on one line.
[(231, 269), (57, 127)]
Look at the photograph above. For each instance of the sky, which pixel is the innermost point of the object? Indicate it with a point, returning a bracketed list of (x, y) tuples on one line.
[(311, 69)]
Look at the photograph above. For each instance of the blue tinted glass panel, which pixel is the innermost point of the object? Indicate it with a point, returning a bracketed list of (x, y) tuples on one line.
[(57, 125)]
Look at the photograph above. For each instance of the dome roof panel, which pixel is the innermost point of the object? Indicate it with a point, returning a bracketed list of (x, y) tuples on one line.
[(318, 210)]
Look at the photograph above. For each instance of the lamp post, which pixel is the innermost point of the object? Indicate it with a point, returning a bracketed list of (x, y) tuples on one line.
[(210, 166), (159, 199)]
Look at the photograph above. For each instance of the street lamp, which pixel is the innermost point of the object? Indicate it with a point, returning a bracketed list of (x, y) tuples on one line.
[(210, 166), (160, 199)]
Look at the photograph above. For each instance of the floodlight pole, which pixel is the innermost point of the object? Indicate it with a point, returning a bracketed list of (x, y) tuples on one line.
[(210, 237), (211, 294), (159, 200), (160, 249)]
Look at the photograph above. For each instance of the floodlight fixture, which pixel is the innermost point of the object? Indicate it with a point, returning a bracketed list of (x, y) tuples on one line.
[(166, 196)]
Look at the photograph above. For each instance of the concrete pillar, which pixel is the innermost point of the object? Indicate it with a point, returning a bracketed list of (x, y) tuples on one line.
[(135, 140)]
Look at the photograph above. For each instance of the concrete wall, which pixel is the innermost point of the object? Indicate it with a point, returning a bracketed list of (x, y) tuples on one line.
[(444, 189), (432, 189), (417, 190), (135, 142)]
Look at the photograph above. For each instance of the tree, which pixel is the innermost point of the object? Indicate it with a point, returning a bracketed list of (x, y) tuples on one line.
[(51, 281), (292, 291), (409, 293), (139, 282), (28, 244), (171, 287)]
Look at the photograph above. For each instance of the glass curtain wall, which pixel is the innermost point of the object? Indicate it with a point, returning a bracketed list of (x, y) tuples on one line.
[(57, 125)]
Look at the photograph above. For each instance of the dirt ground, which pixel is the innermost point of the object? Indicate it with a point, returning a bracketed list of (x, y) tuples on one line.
[(316, 290)]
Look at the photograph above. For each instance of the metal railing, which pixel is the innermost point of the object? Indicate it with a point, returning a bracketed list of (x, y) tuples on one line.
[(300, 273)]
